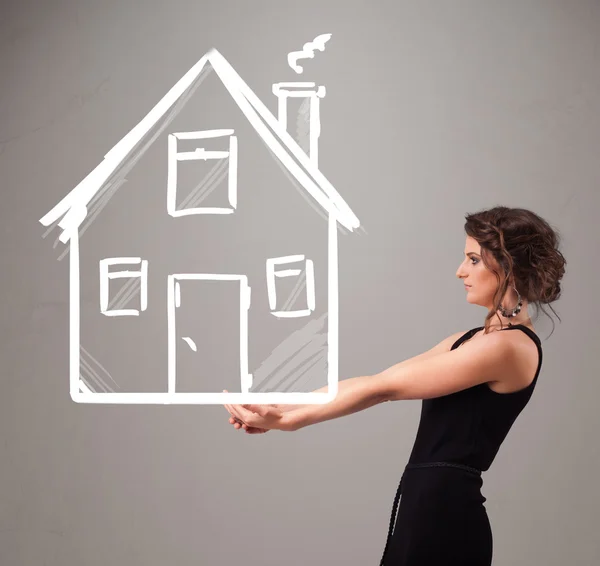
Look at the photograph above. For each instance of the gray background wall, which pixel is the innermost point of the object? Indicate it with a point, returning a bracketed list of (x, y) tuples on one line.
[(456, 106)]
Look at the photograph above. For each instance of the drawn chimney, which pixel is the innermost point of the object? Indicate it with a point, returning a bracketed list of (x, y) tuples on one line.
[(298, 113)]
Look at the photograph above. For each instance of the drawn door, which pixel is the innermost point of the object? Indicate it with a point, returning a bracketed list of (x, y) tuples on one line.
[(208, 333)]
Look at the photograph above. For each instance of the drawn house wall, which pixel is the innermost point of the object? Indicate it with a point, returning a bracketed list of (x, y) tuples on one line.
[(182, 254)]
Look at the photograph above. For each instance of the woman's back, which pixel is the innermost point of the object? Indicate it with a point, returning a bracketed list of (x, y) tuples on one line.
[(442, 518), (469, 426)]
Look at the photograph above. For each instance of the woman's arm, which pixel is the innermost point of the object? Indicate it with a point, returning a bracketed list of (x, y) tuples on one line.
[(489, 359), (358, 393), (354, 394)]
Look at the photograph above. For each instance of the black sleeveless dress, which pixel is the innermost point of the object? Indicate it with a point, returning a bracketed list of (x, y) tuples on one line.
[(441, 517)]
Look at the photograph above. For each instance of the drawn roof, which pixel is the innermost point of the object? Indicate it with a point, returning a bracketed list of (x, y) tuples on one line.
[(73, 206)]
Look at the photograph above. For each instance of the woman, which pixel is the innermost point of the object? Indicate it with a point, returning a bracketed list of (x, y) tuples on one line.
[(473, 384)]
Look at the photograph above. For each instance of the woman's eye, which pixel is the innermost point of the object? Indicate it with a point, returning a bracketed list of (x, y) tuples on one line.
[(475, 260)]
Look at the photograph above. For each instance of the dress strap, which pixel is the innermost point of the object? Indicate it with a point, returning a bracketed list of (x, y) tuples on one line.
[(466, 336)]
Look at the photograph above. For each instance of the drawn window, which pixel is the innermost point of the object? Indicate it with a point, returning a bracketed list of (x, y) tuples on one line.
[(288, 287), (123, 293), (202, 173)]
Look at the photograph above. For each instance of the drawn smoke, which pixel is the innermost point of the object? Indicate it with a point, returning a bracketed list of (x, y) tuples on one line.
[(308, 51)]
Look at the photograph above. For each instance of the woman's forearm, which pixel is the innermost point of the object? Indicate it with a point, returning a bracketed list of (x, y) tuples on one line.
[(354, 394)]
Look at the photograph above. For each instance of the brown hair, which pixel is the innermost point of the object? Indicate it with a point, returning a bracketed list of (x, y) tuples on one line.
[(525, 247)]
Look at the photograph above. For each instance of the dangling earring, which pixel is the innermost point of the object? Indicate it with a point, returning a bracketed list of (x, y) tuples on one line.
[(515, 311)]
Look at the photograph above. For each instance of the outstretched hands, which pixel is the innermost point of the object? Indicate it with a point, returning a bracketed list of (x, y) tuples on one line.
[(237, 424), (258, 419)]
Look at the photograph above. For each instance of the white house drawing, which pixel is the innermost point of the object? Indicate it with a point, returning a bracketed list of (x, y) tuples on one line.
[(190, 270)]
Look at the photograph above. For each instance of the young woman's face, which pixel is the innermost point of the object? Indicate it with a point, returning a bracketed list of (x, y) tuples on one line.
[(473, 272)]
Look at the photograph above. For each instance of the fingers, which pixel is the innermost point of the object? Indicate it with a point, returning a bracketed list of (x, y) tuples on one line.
[(262, 410), (249, 429), (228, 407), (236, 413), (234, 410), (235, 416), (236, 422), (241, 414)]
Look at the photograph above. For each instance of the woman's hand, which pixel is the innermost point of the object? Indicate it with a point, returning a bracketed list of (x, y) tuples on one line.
[(237, 424), (258, 419)]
